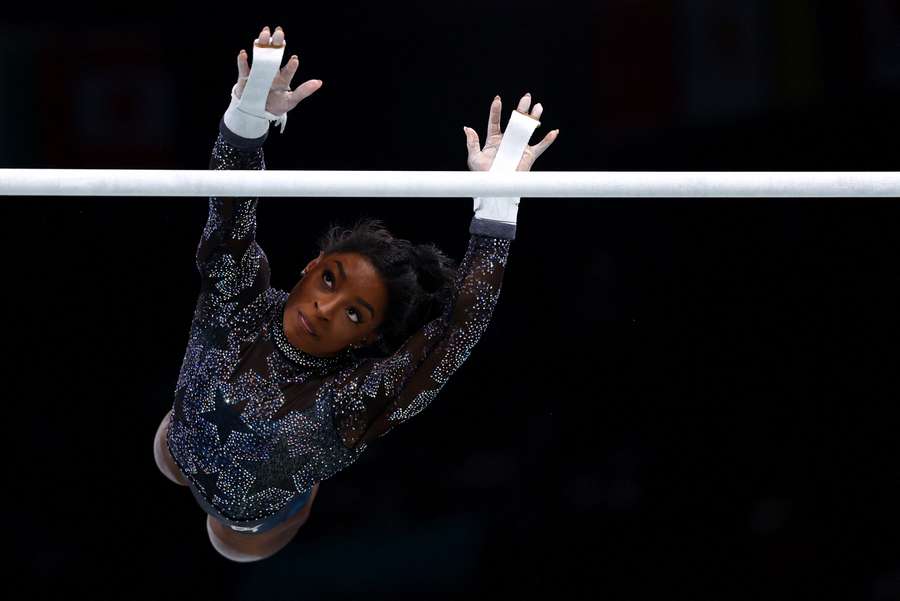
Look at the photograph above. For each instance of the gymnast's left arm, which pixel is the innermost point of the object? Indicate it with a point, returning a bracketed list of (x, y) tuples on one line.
[(379, 394)]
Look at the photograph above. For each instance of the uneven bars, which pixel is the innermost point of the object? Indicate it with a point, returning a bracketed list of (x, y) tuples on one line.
[(447, 184)]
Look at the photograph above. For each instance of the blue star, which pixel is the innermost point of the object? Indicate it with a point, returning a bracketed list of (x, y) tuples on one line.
[(225, 418), (275, 472), (208, 482), (214, 335)]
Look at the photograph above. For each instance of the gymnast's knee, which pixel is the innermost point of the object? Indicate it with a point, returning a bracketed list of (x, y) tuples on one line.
[(163, 457), (243, 550)]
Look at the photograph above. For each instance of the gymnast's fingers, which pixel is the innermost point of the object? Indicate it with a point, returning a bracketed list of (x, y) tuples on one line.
[(243, 66), (524, 103), (536, 111), (541, 146), (287, 72), (472, 144), (305, 90), (278, 38), (494, 119), (243, 73), (264, 36)]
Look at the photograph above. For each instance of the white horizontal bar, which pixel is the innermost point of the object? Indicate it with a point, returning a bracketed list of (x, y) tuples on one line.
[(553, 184)]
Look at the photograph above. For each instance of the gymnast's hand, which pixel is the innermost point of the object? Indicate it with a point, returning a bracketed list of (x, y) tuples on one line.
[(482, 159), (281, 98)]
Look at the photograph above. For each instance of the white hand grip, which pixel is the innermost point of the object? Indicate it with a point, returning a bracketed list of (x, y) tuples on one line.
[(515, 139), (247, 116), (512, 147)]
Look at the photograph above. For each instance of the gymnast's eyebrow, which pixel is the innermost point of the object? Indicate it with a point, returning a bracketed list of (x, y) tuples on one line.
[(361, 301)]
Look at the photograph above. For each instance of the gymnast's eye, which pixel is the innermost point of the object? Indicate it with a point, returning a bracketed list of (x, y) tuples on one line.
[(352, 313)]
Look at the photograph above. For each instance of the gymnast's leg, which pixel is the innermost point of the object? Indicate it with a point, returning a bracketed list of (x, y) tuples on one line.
[(163, 456), (245, 547)]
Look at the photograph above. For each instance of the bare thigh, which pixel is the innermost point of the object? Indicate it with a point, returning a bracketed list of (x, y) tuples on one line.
[(163, 456), (249, 546)]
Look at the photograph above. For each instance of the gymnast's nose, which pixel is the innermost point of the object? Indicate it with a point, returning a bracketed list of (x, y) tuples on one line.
[(326, 308)]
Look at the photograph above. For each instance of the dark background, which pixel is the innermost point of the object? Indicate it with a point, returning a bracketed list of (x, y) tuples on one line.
[(677, 398)]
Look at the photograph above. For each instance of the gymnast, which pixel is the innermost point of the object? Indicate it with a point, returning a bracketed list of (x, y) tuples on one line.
[(279, 391)]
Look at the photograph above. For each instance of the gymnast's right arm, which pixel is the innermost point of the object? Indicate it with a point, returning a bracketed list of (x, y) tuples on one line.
[(232, 265), (230, 262)]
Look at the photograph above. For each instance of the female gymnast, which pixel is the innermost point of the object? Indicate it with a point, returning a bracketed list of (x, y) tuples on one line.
[(279, 391)]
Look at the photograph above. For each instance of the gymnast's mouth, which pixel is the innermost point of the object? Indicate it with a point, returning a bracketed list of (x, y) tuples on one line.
[(304, 324)]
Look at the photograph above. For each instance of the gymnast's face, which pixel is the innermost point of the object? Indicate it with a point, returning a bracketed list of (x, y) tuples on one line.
[(342, 298)]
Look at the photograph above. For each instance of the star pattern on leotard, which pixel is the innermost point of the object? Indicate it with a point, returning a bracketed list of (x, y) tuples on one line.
[(215, 334), (225, 418), (208, 482), (275, 472), (234, 307)]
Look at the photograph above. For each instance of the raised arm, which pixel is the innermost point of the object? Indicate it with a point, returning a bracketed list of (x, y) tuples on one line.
[(386, 392), (389, 391), (230, 262), (232, 265)]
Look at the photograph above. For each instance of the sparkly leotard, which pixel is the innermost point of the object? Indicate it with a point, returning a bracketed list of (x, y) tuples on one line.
[(257, 421)]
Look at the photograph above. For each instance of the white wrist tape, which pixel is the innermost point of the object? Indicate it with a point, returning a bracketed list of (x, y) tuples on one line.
[(512, 147), (247, 116)]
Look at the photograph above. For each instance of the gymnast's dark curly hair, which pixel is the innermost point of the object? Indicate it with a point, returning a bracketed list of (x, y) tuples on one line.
[(420, 278)]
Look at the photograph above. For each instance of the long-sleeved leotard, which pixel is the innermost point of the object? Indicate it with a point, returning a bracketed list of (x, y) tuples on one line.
[(257, 421)]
